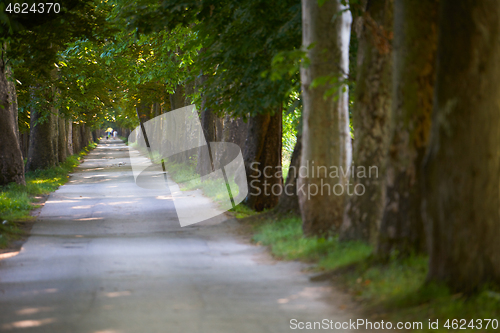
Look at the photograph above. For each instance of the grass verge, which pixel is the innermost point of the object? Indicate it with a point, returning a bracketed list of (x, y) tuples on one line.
[(16, 201), (391, 291)]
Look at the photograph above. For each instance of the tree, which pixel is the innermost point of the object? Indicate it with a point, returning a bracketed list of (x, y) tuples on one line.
[(11, 159), (325, 136), (462, 167), (34, 42), (42, 153), (371, 120), (415, 43), (234, 66)]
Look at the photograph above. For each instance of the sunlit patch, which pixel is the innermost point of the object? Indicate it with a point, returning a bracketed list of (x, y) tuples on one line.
[(118, 293), (8, 255), (164, 197), (59, 201), (88, 219), (43, 291), (121, 202), (308, 292), (28, 323), (30, 311), (82, 207)]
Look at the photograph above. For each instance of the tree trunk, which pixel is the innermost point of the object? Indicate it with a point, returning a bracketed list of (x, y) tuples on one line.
[(24, 143), (326, 142), (262, 157), (208, 124), (235, 131), (69, 133), (87, 135), (289, 201), (11, 159), (177, 99), (370, 117), (415, 43), (76, 138), (54, 121), (13, 99), (62, 144), (41, 153), (462, 167)]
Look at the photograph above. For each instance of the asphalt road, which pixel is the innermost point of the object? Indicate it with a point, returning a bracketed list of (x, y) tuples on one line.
[(107, 256)]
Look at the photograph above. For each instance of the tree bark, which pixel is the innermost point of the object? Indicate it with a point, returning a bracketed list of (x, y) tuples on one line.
[(69, 133), (62, 144), (208, 124), (41, 153), (235, 131), (11, 159), (462, 167), (415, 43), (177, 99), (204, 164), (371, 119), (262, 157), (76, 138), (326, 141), (289, 200)]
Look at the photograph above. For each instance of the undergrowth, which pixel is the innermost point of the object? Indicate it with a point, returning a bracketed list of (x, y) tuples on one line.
[(394, 290)]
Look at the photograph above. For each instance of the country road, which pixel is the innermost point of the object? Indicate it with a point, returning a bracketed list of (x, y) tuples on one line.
[(106, 256)]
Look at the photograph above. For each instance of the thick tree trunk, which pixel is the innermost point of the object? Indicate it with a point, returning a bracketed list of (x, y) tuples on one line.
[(415, 43), (262, 157), (76, 138), (69, 133), (462, 167), (87, 135), (13, 99), (370, 117), (177, 99), (11, 159), (24, 143), (41, 154), (54, 119), (289, 200), (235, 131), (326, 142), (62, 144)]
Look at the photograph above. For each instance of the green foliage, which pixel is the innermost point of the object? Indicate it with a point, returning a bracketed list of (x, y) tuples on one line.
[(239, 40)]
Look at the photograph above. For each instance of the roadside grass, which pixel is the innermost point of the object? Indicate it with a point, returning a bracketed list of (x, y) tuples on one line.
[(16, 201), (393, 291), (286, 241)]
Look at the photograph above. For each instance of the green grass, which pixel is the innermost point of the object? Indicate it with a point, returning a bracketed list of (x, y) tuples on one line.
[(16, 201), (390, 291), (286, 241)]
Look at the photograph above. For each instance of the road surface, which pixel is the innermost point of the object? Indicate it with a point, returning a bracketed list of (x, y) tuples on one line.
[(108, 257)]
